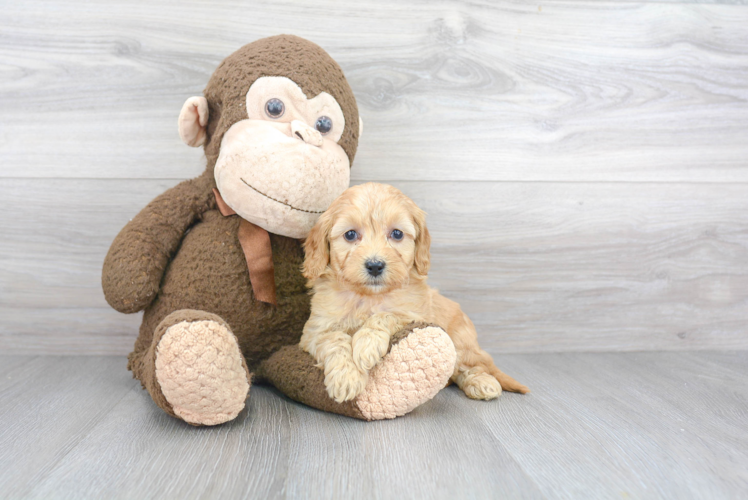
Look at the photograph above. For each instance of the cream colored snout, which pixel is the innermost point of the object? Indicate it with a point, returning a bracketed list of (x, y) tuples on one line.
[(306, 133), (280, 176)]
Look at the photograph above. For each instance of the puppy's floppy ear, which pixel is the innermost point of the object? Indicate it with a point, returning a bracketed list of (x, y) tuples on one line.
[(317, 247), (422, 260)]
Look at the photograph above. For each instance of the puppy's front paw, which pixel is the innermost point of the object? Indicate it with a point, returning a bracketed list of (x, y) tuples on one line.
[(481, 386), (344, 381), (369, 347)]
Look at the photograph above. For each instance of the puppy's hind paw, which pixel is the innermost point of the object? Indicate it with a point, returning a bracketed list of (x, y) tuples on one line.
[(481, 386), (345, 382)]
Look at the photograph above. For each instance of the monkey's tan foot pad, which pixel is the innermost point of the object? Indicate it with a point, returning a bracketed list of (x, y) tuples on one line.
[(415, 369), (201, 371)]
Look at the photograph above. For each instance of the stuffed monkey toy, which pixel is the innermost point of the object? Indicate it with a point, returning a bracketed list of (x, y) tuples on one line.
[(215, 262)]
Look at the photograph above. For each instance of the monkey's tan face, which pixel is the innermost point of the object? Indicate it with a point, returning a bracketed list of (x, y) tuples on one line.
[(282, 166)]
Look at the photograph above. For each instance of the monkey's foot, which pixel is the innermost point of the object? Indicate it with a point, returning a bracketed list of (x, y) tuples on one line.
[(201, 371), (420, 361)]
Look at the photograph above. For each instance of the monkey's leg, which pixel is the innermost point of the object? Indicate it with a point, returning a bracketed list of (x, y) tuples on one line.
[(194, 369), (420, 360)]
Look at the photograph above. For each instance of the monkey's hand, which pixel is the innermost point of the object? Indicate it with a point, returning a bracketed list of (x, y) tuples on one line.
[(136, 261)]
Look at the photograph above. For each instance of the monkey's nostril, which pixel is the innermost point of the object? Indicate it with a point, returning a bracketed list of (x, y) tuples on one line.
[(300, 136), (374, 267)]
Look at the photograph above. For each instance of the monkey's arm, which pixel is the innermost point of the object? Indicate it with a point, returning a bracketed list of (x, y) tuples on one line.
[(421, 356), (136, 261)]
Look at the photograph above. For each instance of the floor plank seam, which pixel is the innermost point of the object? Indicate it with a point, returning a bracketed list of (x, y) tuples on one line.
[(82, 436)]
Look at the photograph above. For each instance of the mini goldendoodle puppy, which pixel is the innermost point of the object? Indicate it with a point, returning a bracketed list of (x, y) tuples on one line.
[(367, 260)]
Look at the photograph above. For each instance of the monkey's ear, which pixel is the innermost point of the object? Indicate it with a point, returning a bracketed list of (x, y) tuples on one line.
[(193, 120), (360, 127), (317, 248)]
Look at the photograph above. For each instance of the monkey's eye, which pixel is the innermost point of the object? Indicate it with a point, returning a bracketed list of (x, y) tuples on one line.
[(275, 108), (350, 235), (396, 235), (324, 125)]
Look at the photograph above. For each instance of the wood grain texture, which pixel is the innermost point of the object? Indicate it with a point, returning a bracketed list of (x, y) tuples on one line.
[(583, 163), (449, 90), (537, 266), (636, 425), (48, 405)]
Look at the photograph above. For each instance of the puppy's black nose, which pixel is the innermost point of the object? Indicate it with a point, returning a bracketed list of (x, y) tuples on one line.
[(375, 267)]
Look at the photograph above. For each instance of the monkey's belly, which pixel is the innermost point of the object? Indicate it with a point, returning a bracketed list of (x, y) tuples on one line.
[(209, 273)]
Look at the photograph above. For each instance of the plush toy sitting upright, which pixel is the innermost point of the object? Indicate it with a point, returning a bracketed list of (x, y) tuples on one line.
[(215, 262)]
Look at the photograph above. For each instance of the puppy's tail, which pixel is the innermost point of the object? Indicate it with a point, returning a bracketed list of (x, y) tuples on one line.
[(507, 382)]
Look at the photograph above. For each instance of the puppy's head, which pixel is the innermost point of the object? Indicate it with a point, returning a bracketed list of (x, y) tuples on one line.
[(372, 239)]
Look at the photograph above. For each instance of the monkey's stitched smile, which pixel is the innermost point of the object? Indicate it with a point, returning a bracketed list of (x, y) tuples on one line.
[(278, 201)]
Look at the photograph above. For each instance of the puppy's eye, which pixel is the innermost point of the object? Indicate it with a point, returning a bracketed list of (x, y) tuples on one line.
[(275, 108), (350, 235), (396, 235), (324, 125)]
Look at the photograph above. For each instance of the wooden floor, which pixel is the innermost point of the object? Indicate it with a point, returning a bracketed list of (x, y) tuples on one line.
[(623, 425)]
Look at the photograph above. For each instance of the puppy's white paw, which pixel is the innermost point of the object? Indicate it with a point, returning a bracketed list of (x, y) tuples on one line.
[(344, 381), (369, 347), (481, 386)]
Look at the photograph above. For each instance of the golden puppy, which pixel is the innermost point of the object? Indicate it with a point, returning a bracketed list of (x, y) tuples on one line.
[(367, 259)]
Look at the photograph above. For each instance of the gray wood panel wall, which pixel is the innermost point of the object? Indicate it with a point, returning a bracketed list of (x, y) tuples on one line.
[(584, 164)]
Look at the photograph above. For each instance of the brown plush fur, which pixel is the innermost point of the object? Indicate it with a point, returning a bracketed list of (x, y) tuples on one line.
[(220, 284), (180, 253)]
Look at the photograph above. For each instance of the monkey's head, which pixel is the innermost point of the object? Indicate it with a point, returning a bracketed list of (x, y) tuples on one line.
[(280, 127)]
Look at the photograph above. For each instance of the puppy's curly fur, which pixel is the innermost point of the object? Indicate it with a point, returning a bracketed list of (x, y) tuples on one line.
[(367, 261)]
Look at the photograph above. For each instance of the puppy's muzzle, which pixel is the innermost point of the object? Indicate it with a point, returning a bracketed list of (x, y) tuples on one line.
[(374, 267)]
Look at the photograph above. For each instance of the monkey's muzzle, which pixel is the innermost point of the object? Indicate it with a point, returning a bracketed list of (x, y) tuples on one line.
[(280, 176)]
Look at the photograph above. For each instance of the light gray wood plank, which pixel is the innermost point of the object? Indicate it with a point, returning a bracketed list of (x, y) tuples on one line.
[(49, 404), (9, 363), (280, 449), (722, 2), (68, 330), (486, 90), (639, 425), (593, 266), (140, 452), (537, 266), (51, 255), (406, 458), (632, 425)]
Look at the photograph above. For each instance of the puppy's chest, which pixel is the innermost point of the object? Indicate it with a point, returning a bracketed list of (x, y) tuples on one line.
[(356, 313)]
